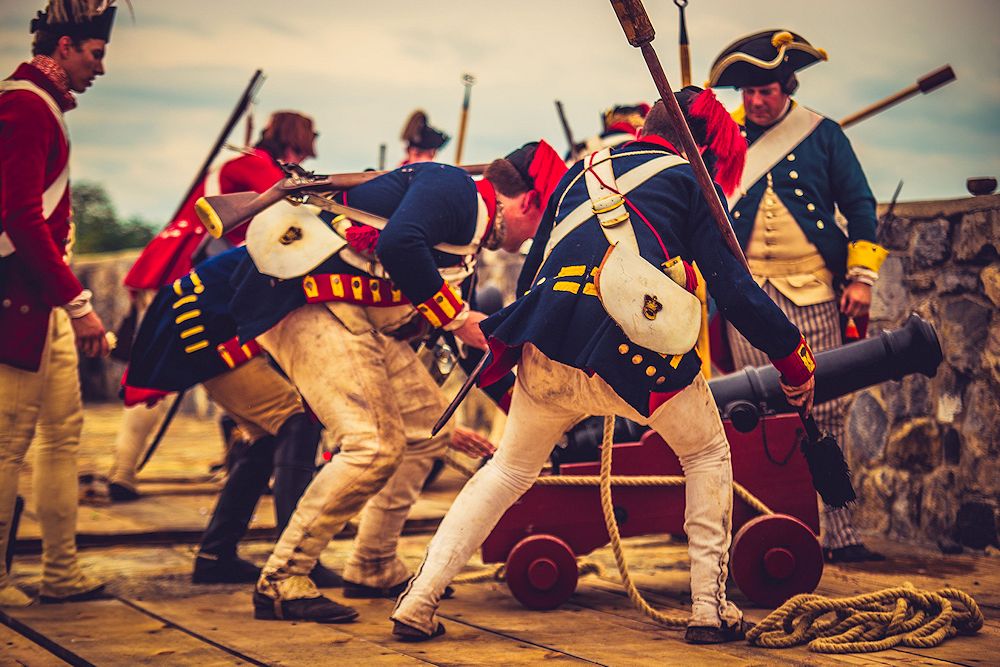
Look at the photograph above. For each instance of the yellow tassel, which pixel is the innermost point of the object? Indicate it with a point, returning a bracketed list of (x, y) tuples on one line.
[(823, 54), (782, 38)]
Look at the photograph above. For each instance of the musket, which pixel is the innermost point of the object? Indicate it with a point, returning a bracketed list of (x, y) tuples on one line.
[(639, 32), (924, 84), (565, 126), (892, 203), (684, 45), (222, 213), (171, 413), (460, 396), (468, 80), (381, 157), (248, 94)]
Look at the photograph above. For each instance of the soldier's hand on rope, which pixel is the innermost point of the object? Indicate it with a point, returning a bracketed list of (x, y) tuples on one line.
[(856, 299), (801, 397), (90, 335), (470, 333), (471, 443)]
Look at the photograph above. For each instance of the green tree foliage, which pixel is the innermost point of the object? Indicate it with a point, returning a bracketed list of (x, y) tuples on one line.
[(98, 228)]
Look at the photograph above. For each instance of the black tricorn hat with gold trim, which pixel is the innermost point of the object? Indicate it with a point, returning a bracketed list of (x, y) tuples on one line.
[(81, 19), (762, 58)]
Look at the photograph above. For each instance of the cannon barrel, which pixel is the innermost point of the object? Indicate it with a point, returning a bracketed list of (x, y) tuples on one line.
[(914, 348)]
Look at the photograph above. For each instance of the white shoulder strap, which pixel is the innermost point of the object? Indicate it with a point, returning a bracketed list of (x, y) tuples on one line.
[(624, 184), (55, 192), (775, 144)]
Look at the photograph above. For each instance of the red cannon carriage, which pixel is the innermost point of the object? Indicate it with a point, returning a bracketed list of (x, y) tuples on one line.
[(774, 556)]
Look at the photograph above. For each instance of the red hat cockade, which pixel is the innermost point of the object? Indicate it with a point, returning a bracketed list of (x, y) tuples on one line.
[(721, 136)]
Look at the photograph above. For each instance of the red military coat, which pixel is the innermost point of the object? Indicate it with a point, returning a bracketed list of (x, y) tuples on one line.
[(34, 151), (168, 255)]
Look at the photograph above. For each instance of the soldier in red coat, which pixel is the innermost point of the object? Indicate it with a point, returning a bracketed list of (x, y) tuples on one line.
[(289, 137), (45, 313)]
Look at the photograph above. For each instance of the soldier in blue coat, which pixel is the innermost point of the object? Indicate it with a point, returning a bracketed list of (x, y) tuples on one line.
[(188, 337), (341, 330), (574, 360), (800, 168)]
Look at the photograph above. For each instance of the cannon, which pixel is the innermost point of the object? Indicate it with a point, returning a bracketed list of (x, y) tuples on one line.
[(774, 556)]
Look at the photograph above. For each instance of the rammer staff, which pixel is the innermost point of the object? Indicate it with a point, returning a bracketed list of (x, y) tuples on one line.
[(924, 84), (469, 81), (684, 45), (639, 32)]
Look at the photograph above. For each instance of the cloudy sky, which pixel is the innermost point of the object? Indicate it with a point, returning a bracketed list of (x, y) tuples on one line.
[(360, 68)]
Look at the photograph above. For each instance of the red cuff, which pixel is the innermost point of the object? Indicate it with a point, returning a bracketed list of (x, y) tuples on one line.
[(797, 367), (443, 306), (235, 354)]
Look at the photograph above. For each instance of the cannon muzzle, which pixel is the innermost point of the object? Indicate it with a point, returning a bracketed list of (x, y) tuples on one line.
[(743, 396)]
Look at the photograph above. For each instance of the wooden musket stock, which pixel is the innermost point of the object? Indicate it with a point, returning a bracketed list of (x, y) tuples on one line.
[(222, 213)]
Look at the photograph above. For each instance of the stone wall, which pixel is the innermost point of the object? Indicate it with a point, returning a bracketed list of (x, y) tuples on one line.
[(926, 451)]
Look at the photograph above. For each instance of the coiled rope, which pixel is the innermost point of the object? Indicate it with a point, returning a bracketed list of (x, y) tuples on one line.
[(902, 616)]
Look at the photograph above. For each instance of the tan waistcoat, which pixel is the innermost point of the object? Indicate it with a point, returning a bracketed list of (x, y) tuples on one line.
[(780, 253)]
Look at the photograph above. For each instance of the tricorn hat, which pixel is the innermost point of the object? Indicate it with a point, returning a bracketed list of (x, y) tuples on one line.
[(80, 19), (633, 114), (419, 134), (762, 58)]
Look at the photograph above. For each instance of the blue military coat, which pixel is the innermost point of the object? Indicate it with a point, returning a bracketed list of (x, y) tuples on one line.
[(820, 173), (570, 326), (176, 346), (426, 204)]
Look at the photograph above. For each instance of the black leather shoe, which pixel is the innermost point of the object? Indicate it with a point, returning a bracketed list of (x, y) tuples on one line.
[(854, 553), (707, 634), (122, 494), (319, 610), (324, 577), (360, 591), (95, 594), (408, 633), (232, 570)]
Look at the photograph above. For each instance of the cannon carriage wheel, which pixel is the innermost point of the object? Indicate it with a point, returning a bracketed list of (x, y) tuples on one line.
[(774, 557), (541, 571)]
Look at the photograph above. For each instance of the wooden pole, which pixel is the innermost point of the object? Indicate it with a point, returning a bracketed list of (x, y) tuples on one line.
[(684, 45), (248, 94), (924, 84), (640, 33), (565, 126), (468, 80)]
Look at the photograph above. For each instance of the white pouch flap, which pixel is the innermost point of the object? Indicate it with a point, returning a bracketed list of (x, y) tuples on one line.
[(652, 310), (287, 241)]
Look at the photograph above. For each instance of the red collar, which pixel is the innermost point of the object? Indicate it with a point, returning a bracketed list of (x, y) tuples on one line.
[(489, 195), (62, 96)]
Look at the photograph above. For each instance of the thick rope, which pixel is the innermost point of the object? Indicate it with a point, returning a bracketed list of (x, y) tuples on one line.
[(902, 616), (670, 620)]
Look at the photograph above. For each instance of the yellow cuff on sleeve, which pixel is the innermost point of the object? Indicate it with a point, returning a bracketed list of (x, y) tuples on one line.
[(866, 255)]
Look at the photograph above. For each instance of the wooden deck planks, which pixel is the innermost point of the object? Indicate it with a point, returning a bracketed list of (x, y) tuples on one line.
[(226, 618), (109, 632), (16, 649)]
